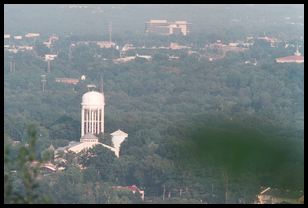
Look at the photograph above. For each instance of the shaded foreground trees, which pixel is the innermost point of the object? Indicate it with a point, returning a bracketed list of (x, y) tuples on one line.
[(21, 173)]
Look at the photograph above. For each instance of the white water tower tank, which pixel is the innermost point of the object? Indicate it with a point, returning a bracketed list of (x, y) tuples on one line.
[(92, 113)]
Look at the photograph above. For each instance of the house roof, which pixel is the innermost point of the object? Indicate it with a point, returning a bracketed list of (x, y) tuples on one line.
[(291, 58), (119, 133), (82, 146), (130, 188)]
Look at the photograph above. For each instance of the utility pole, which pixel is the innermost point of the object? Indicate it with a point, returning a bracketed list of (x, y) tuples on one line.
[(164, 193), (12, 65), (70, 53), (226, 179), (43, 80)]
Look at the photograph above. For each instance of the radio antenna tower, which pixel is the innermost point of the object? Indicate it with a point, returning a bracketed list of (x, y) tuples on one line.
[(110, 31), (102, 85), (43, 80), (70, 53)]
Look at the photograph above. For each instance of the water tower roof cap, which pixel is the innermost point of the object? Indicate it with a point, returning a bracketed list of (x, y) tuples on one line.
[(93, 98)]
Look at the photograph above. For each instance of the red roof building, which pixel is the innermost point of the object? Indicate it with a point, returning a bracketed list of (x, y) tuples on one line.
[(291, 59), (67, 80), (132, 188), (296, 58)]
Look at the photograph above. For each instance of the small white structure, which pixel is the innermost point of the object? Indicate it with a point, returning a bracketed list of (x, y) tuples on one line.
[(51, 40), (132, 188), (174, 57), (32, 35), (92, 113), (13, 50), (18, 37), (105, 44), (7, 36), (147, 57), (176, 46), (233, 44), (128, 47), (124, 59), (117, 138), (25, 47), (83, 77), (50, 57), (47, 43)]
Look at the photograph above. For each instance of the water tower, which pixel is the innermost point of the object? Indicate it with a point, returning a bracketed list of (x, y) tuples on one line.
[(92, 112)]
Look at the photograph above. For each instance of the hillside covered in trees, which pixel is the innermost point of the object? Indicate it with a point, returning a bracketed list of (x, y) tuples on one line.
[(200, 131)]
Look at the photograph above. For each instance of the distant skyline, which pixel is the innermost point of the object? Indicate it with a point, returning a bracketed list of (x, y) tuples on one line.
[(93, 19)]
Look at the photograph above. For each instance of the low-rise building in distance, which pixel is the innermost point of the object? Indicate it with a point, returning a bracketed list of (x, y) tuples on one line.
[(164, 27), (296, 58)]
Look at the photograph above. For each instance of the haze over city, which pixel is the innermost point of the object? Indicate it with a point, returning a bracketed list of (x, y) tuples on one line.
[(153, 104)]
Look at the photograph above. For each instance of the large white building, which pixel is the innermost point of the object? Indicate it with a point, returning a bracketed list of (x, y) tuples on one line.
[(164, 27)]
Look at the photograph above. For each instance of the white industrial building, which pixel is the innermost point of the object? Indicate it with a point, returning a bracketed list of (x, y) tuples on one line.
[(164, 27)]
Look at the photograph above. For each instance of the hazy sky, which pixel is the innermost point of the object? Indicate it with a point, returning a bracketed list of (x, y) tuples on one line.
[(93, 19)]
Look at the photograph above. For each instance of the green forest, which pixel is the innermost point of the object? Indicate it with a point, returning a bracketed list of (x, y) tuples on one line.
[(199, 131)]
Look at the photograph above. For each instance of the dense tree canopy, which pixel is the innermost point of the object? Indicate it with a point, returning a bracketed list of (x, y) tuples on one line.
[(199, 131)]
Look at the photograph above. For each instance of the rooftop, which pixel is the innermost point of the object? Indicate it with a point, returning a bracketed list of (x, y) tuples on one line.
[(93, 98), (119, 133), (291, 58)]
